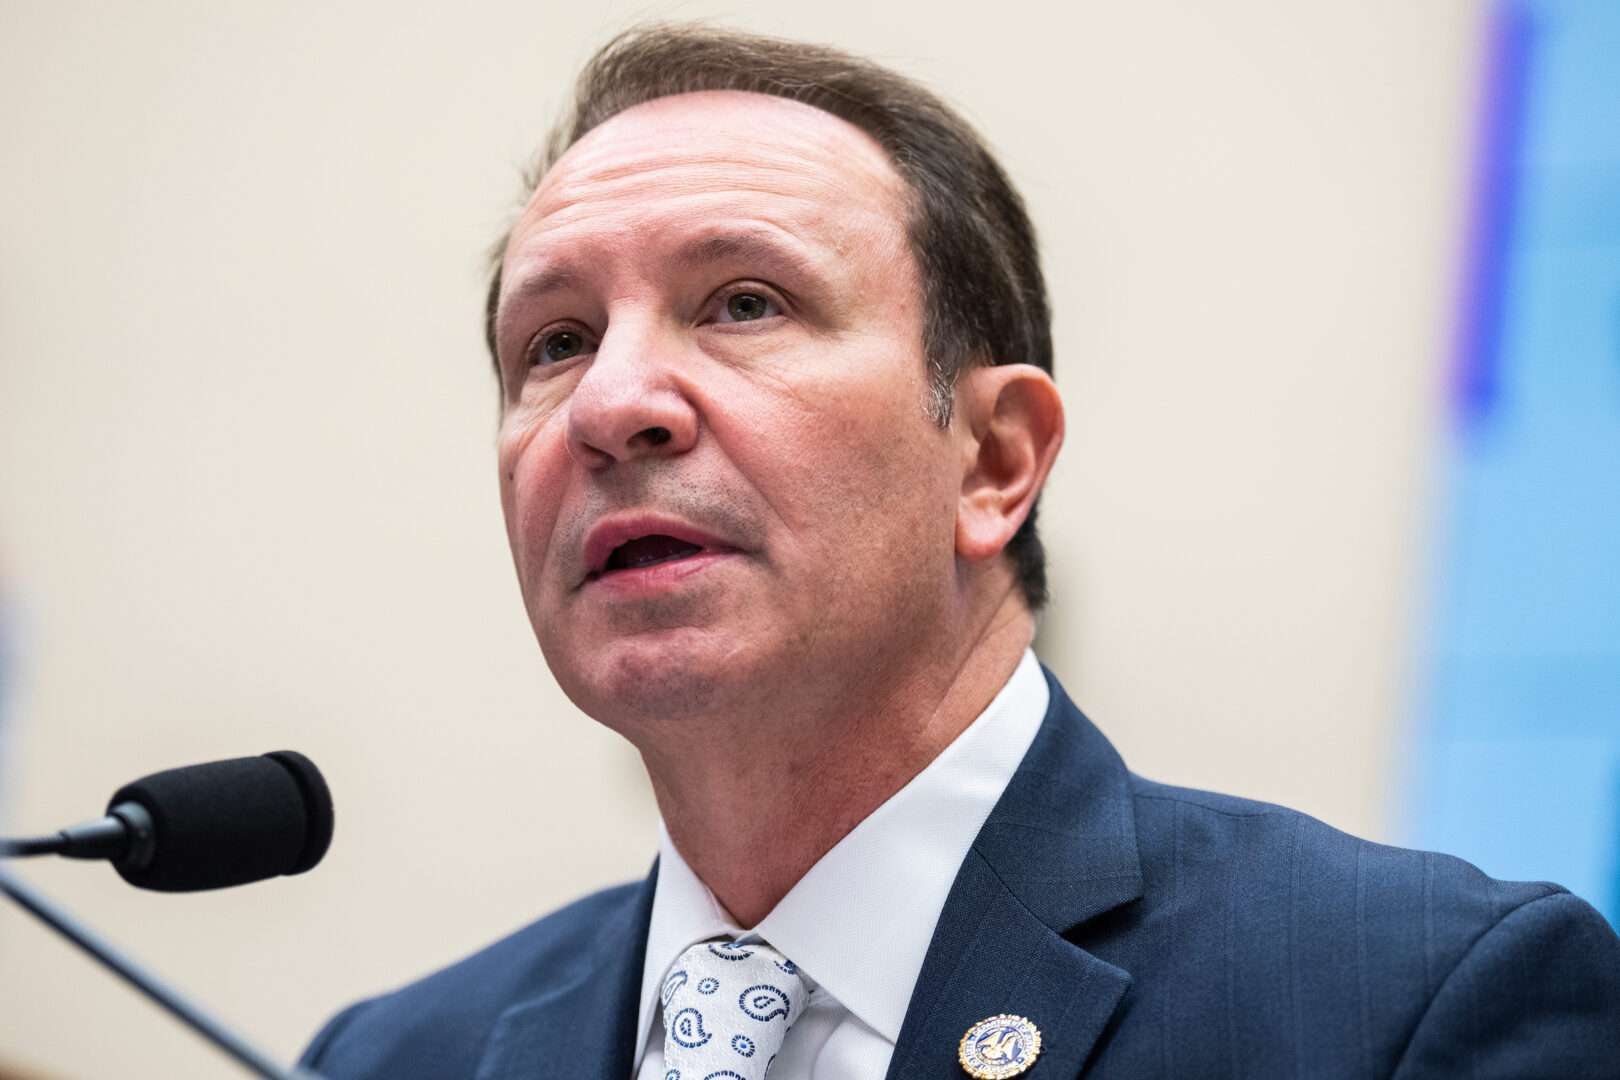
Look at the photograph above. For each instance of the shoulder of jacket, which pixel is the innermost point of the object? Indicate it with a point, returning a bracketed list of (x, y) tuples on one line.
[(467, 996)]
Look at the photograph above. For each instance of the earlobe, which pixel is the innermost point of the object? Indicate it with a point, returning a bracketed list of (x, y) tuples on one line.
[(1012, 421)]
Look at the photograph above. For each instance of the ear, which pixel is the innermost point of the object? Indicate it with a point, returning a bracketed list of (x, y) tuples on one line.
[(1009, 422)]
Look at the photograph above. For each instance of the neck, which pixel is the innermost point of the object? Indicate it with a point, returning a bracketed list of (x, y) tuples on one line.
[(752, 820)]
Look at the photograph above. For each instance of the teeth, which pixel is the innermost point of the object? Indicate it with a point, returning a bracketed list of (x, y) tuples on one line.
[(647, 551), (650, 560)]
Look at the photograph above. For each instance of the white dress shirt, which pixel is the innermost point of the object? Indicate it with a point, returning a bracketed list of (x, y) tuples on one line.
[(859, 922)]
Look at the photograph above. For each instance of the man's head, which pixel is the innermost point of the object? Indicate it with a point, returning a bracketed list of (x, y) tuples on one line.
[(780, 305)]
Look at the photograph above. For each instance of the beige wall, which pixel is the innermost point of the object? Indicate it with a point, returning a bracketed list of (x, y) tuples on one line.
[(247, 493)]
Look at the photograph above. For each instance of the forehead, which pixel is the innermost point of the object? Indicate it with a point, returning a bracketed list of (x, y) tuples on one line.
[(699, 161)]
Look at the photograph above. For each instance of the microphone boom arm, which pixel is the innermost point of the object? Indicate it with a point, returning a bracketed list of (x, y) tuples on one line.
[(24, 847), (144, 981)]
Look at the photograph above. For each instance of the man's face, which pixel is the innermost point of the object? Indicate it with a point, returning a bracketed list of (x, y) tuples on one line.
[(720, 483)]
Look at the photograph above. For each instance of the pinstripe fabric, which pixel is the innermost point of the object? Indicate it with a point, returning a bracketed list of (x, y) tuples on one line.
[(1149, 931)]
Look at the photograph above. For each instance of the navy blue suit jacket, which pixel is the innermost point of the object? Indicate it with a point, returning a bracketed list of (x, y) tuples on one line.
[(1148, 931)]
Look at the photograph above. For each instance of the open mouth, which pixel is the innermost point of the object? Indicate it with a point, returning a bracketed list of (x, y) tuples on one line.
[(645, 551)]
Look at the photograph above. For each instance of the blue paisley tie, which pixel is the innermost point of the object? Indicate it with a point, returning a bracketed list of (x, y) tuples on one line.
[(727, 1007)]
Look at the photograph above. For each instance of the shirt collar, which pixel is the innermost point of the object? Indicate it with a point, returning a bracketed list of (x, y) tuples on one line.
[(860, 920)]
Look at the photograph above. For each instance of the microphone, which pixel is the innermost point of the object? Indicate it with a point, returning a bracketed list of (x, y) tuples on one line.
[(206, 826)]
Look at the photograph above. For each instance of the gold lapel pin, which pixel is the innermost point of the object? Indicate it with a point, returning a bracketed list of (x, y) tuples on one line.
[(999, 1046)]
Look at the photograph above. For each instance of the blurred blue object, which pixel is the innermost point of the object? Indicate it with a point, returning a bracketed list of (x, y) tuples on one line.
[(1524, 662)]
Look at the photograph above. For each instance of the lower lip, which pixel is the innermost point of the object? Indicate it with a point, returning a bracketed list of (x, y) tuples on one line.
[(656, 579)]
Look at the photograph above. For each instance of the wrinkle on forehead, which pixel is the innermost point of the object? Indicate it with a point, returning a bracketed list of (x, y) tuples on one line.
[(741, 117), (715, 144), (791, 169)]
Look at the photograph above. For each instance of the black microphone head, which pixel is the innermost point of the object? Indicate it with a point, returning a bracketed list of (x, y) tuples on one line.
[(230, 822)]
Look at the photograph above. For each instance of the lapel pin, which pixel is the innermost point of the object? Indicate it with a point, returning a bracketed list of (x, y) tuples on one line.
[(999, 1046)]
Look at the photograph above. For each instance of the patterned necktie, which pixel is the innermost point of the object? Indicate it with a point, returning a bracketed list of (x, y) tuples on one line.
[(727, 1007)]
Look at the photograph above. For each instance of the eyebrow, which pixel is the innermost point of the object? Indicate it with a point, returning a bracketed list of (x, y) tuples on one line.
[(750, 246), (552, 279)]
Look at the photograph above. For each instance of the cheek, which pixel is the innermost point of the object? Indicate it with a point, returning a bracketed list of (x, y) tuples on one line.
[(896, 472), (850, 464), (531, 457)]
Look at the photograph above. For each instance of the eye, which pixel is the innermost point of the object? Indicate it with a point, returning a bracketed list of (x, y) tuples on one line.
[(555, 346), (748, 306)]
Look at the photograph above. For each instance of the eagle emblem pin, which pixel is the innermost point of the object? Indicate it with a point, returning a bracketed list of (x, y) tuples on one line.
[(999, 1046)]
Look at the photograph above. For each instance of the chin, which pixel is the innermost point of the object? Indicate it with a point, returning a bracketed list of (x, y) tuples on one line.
[(657, 676)]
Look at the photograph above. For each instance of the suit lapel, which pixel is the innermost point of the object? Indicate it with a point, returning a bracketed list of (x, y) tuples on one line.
[(1058, 849), (585, 1027)]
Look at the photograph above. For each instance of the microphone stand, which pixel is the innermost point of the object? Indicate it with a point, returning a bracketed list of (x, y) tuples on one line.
[(146, 982)]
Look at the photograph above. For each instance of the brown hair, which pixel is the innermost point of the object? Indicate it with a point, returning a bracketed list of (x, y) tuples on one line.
[(983, 294)]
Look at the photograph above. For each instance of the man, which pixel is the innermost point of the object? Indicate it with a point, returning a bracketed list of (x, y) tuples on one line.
[(774, 360)]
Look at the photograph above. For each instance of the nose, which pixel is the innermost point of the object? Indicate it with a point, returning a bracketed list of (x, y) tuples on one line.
[(628, 405)]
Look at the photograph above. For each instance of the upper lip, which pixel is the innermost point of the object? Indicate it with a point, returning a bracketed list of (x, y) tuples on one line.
[(610, 532)]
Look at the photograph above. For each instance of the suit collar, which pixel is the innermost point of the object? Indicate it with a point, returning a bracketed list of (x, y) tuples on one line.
[(585, 1025), (1063, 837), (1058, 850)]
